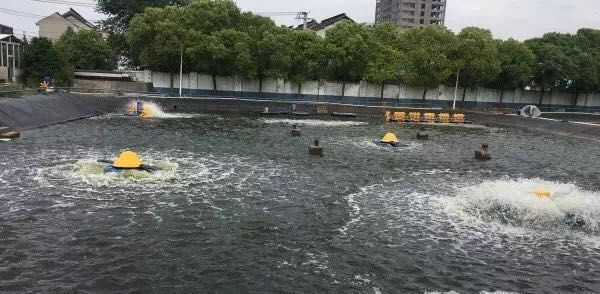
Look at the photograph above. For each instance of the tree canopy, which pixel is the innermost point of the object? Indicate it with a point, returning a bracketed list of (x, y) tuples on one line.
[(159, 35), (429, 54), (120, 13), (41, 59), (516, 64), (350, 46), (218, 39), (85, 49), (476, 58)]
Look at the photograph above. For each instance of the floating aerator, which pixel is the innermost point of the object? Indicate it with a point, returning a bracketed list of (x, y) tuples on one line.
[(389, 139), (127, 160), (541, 192)]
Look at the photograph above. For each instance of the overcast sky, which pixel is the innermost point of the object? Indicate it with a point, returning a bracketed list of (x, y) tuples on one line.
[(520, 19)]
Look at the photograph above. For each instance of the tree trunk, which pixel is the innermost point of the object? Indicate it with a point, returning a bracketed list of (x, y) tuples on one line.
[(542, 97), (214, 80), (464, 94), (171, 84), (299, 91), (382, 88), (502, 98), (260, 87), (576, 98), (425, 93), (343, 89)]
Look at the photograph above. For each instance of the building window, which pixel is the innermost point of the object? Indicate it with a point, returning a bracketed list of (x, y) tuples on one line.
[(4, 57), (408, 12)]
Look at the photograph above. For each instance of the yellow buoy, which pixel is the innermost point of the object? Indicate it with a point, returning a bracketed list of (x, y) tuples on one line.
[(414, 116), (387, 116), (443, 118), (429, 117), (128, 159), (458, 118), (400, 116), (390, 138), (542, 192)]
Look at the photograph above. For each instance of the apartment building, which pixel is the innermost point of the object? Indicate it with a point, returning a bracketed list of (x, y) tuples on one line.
[(411, 13), (11, 50), (54, 25)]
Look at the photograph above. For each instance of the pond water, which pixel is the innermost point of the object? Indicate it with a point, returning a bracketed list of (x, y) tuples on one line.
[(239, 206)]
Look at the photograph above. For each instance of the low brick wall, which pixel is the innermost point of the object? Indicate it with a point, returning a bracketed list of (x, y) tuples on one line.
[(113, 85)]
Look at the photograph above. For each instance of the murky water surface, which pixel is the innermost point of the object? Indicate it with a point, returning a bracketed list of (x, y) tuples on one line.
[(239, 206)]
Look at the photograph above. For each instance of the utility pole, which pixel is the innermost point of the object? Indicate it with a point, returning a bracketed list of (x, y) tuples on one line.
[(456, 89), (181, 74), (304, 17)]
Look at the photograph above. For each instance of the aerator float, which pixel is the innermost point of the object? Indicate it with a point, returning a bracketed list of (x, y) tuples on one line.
[(127, 160), (389, 139), (139, 109)]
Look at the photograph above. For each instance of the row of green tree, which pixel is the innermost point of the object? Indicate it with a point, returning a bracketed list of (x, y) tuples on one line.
[(85, 50), (216, 38)]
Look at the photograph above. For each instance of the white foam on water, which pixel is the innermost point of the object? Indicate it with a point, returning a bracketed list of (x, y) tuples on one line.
[(318, 260), (155, 216), (482, 292), (369, 143), (362, 279), (92, 173), (466, 126), (314, 122), (184, 176), (433, 172), (513, 202), (355, 210), (156, 111)]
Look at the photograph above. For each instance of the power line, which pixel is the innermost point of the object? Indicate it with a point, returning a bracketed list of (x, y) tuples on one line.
[(19, 13), (31, 15), (65, 2), (279, 13)]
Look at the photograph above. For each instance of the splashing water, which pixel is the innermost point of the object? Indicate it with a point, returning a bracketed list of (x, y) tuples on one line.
[(513, 202), (314, 122), (156, 111), (94, 173), (88, 174), (369, 143)]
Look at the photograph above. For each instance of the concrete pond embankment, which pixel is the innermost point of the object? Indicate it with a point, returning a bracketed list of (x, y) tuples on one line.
[(575, 126), (45, 110)]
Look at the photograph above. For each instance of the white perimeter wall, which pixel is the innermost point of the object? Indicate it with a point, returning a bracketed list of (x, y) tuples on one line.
[(195, 81)]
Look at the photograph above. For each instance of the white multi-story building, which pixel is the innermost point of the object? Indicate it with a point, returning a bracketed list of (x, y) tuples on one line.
[(55, 25), (411, 13)]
